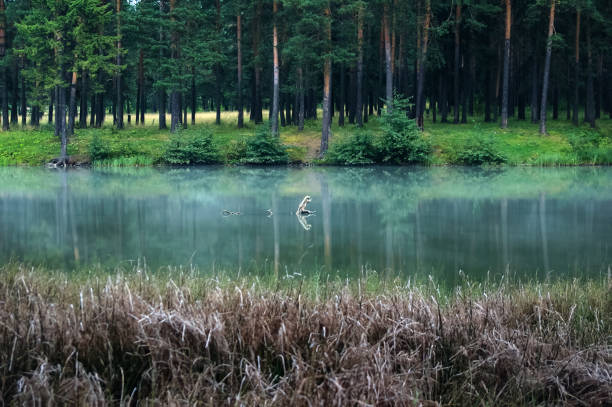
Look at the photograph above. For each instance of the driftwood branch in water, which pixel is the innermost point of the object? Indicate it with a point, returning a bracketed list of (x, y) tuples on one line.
[(230, 213), (302, 207)]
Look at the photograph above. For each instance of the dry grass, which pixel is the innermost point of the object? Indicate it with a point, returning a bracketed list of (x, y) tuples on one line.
[(143, 339)]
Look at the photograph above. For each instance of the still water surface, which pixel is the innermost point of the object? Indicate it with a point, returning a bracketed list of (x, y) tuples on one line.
[(532, 221)]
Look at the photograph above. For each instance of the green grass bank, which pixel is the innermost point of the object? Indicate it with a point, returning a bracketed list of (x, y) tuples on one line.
[(101, 337), (470, 143)]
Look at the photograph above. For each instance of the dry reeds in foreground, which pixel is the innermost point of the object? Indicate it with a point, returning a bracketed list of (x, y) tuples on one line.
[(139, 339)]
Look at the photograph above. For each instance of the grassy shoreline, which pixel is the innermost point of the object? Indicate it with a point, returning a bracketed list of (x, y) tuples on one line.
[(136, 336), (520, 144)]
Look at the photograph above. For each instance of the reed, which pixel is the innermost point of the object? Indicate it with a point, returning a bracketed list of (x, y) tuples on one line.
[(137, 338)]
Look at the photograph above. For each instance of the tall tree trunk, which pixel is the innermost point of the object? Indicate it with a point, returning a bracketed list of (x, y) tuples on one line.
[(388, 67), (543, 106), (600, 87), (15, 101), (94, 109), (577, 69), (24, 106), (3, 69), (420, 102), (256, 110), (83, 95), (239, 46), (161, 94), (175, 108), (139, 91), (504, 113), (590, 99), (327, 78), (359, 81), (275, 90), (301, 99), (341, 98), (443, 98), (52, 101), (193, 96), (534, 89), (457, 61), (119, 76), (72, 104), (60, 123)]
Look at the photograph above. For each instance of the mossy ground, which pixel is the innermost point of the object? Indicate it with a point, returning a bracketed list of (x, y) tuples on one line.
[(521, 143)]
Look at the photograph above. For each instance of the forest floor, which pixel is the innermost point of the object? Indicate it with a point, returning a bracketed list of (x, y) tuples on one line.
[(132, 336), (521, 143)]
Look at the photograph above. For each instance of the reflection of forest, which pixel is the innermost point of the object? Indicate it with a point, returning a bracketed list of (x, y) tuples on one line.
[(432, 220)]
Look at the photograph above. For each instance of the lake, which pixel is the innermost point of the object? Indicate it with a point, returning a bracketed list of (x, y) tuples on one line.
[(534, 222)]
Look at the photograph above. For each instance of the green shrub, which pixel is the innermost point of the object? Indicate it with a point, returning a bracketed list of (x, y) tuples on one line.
[(187, 148), (402, 142), (234, 150), (264, 148), (98, 150), (591, 147), (479, 150), (356, 149)]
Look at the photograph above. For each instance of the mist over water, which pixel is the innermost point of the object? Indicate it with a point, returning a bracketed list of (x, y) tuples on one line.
[(410, 220)]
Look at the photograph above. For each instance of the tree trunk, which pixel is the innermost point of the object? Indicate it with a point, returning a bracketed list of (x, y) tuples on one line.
[(175, 108), (83, 95), (504, 113), (420, 102), (24, 106), (341, 98), (388, 68), (60, 123), (534, 89), (139, 90), (161, 93), (301, 99), (193, 96), (3, 69), (239, 46), (590, 100), (92, 117), (15, 101), (72, 104), (327, 78), (275, 90), (457, 61), (551, 25), (359, 81), (119, 76), (600, 87), (577, 69)]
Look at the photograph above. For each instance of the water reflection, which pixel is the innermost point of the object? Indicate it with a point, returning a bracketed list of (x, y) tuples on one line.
[(407, 220)]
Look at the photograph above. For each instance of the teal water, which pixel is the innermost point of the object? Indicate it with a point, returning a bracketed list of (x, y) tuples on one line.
[(531, 221)]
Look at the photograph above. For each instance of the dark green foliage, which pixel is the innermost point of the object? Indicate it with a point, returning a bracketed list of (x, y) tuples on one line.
[(479, 150), (401, 141), (187, 148), (264, 148), (356, 149), (591, 147), (98, 150)]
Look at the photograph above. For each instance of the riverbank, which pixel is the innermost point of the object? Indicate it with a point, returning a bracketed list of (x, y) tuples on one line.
[(124, 336), (467, 143)]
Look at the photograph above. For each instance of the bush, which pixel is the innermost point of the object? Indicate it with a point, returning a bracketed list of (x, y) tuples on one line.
[(357, 149), (264, 148), (591, 147), (479, 150), (402, 142), (98, 150), (191, 148)]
